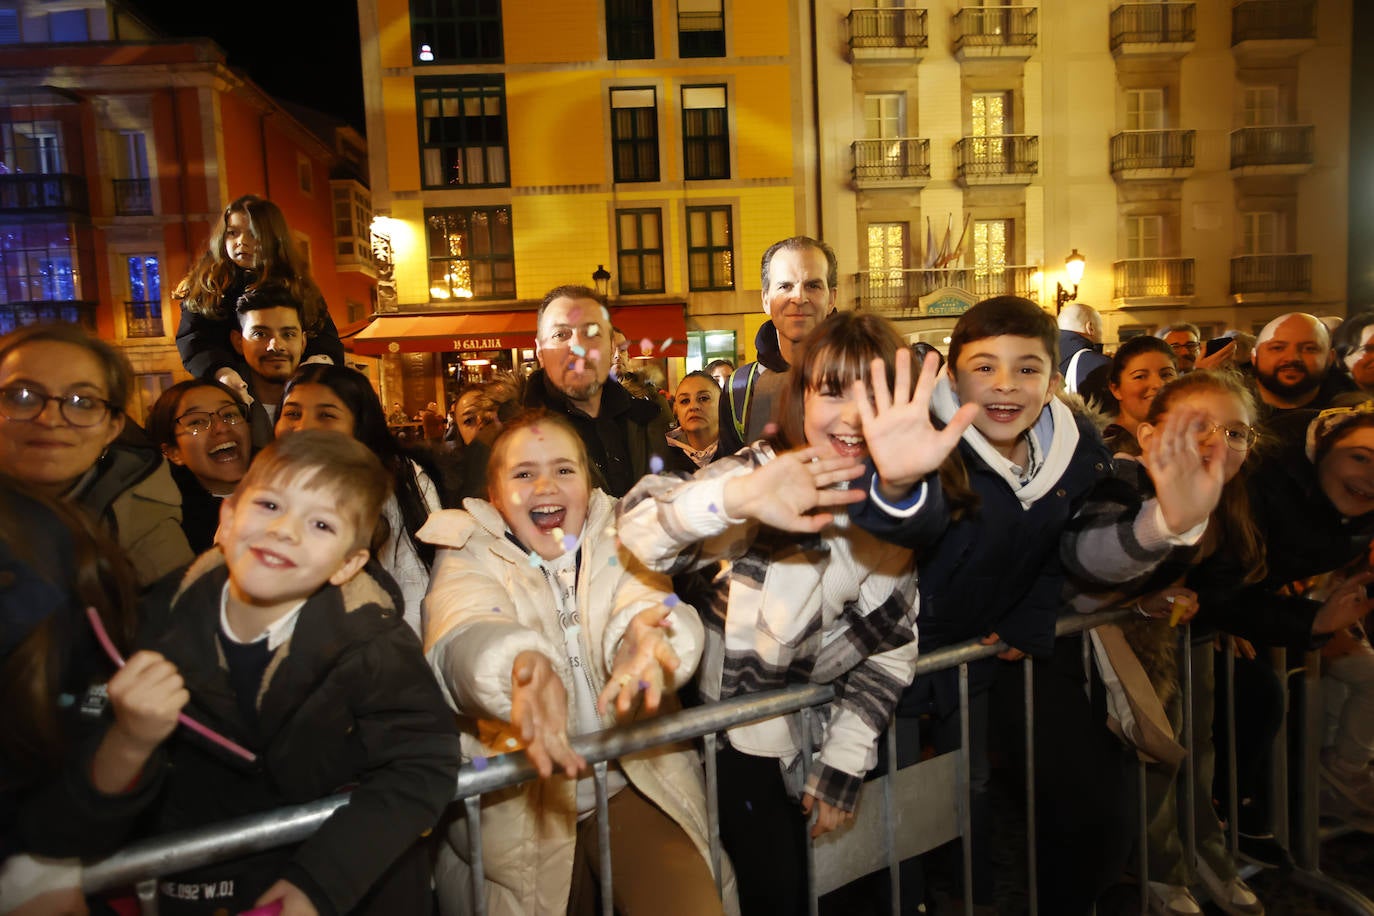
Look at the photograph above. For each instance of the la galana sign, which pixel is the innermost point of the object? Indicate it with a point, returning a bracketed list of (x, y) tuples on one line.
[(478, 343)]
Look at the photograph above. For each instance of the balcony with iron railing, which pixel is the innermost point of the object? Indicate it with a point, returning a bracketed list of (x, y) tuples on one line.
[(876, 34), (143, 319), (1153, 29), (133, 196), (45, 193), (1278, 274), (1006, 159), (1153, 154), (895, 162), (995, 31), (1285, 149), (18, 314), (1153, 278), (1273, 20), (898, 292)]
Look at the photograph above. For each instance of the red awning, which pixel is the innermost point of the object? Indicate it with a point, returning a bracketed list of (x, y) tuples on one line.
[(662, 326)]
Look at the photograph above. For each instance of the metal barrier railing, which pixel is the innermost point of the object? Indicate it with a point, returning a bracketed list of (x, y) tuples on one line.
[(878, 823)]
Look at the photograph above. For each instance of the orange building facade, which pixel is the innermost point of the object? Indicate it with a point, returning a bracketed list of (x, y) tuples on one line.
[(119, 152)]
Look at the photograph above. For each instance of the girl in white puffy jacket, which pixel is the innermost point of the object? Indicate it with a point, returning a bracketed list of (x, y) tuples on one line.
[(536, 625)]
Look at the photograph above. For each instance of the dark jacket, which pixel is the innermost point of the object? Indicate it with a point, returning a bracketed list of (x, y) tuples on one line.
[(622, 439), (994, 570), (1334, 383), (199, 510), (742, 390), (1304, 536), (1090, 375), (347, 701), (205, 347)]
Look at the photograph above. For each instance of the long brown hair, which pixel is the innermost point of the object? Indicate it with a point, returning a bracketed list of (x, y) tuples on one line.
[(279, 261), (1237, 531), (59, 545)]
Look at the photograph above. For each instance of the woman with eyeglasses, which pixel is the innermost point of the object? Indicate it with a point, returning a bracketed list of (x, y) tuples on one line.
[(62, 399), (1355, 349), (202, 428)]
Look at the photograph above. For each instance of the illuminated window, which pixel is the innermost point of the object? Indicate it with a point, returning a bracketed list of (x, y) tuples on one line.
[(463, 131), (456, 31), (710, 251), (471, 253), (143, 308)]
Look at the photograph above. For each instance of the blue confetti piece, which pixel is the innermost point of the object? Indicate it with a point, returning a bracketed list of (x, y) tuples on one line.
[(613, 562), (496, 610), (671, 601), (643, 685), (578, 350), (479, 763), (569, 541), (749, 806), (65, 699), (534, 560), (656, 464), (711, 507)]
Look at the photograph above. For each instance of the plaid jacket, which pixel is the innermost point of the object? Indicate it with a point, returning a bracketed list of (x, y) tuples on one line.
[(835, 608)]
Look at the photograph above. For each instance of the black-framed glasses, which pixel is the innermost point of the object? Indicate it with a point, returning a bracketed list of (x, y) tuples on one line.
[(24, 403), (1239, 437), (1190, 347), (198, 422)]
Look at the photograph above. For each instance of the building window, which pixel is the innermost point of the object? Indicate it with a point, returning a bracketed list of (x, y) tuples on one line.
[(639, 243), (133, 188), (1144, 109), (471, 253), (463, 132), (705, 347), (69, 26), (1260, 106), (1262, 232), (303, 247), (1144, 236), (701, 28), (9, 27), (710, 257), (39, 263), (305, 174), (705, 133), (32, 147), (352, 222), (456, 31), (143, 308), (629, 29), (634, 133)]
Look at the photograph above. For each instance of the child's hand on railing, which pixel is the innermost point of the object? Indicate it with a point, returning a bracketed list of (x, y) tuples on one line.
[(283, 899), (904, 445), (642, 664), (782, 493), (539, 710), (828, 817)]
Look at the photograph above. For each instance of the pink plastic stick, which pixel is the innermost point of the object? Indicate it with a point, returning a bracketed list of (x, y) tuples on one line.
[(108, 645)]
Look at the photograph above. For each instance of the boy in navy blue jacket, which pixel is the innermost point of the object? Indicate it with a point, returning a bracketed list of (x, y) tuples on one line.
[(291, 648)]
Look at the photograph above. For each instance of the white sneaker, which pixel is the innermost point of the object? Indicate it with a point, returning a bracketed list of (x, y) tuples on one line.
[(1234, 896), (1173, 900)]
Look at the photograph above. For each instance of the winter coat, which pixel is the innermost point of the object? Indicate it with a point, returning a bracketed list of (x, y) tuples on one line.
[(205, 345), (636, 425), (131, 491), (347, 700), (486, 605), (836, 607), (1089, 377), (751, 394)]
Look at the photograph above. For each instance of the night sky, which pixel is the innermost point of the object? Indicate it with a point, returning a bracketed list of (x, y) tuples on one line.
[(304, 51)]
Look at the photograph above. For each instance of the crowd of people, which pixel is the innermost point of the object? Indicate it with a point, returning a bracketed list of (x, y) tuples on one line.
[(267, 596)]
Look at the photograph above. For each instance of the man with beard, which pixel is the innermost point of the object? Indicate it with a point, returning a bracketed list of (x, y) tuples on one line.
[(1292, 361), (800, 277), (271, 339), (574, 346)]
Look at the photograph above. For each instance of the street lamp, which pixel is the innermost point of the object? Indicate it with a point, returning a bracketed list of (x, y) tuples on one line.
[(602, 279), (1073, 266)]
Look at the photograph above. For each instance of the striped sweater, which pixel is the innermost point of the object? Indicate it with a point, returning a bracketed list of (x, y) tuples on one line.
[(834, 608)]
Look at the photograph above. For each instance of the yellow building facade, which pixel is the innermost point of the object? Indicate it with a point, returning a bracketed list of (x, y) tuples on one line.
[(1195, 154), (517, 147)]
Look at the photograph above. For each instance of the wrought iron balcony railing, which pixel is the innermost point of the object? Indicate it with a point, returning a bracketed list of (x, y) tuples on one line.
[(1273, 20), (1271, 273), (1153, 149), (887, 28), (143, 319), (898, 291), (896, 160), (1145, 278), (18, 314), (996, 27), (51, 192), (1153, 23), (133, 196), (1286, 144), (1005, 158)]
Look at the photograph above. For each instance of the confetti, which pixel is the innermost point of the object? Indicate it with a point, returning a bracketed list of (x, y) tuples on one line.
[(655, 464), (580, 365), (667, 343), (646, 347), (671, 600), (711, 507), (496, 610), (479, 763), (643, 685), (557, 534), (574, 314), (579, 349), (612, 562), (594, 330), (515, 499), (534, 561), (594, 354), (511, 742), (65, 699), (569, 542)]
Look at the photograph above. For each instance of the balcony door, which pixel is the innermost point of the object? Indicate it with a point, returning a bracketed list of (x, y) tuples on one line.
[(1260, 106), (1144, 109), (885, 122), (32, 147), (887, 261), (1144, 237), (1262, 232), (993, 243), (990, 120)]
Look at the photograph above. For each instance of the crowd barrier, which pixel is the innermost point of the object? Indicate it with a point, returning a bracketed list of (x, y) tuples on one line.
[(904, 813)]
